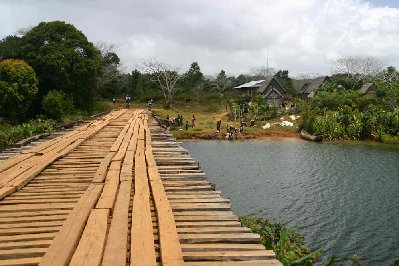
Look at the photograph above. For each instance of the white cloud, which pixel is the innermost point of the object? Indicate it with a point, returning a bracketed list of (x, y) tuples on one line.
[(303, 36)]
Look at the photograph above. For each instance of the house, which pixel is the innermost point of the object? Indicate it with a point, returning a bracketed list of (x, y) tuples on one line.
[(307, 88), (270, 88), (368, 89)]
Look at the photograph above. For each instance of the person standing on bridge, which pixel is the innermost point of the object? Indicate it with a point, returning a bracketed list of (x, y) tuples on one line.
[(127, 101)]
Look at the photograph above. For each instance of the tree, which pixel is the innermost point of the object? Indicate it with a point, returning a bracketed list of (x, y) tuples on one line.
[(10, 47), (262, 72), (359, 68), (389, 75), (109, 77), (18, 88), (193, 78), (165, 75), (222, 82), (283, 77), (63, 59)]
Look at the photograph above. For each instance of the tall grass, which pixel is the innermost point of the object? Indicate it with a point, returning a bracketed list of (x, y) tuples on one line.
[(12, 134)]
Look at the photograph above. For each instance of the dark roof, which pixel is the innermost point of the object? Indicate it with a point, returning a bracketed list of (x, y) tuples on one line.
[(365, 88), (298, 84), (310, 85)]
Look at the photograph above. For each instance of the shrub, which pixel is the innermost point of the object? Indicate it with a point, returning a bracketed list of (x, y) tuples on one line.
[(289, 245), (56, 104), (18, 88), (11, 134)]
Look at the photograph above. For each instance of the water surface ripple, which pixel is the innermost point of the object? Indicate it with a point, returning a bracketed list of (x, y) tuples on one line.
[(343, 197)]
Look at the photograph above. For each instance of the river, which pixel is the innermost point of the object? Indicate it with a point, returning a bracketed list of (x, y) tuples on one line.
[(343, 197)]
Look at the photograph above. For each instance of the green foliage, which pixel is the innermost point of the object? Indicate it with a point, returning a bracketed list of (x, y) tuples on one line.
[(284, 79), (10, 47), (11, 134), (18, 88), (193, 78), (56, 104), (287, 244), (63, 58)]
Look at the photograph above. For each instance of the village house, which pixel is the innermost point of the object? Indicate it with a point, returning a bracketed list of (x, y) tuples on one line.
[(307, 88), (272, 90), (368, 89)]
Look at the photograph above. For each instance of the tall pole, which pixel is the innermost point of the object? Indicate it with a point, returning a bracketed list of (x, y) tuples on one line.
[(267, 59)]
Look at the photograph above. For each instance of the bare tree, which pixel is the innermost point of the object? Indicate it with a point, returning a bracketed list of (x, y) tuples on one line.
[(307, 75), (262, 72), (359, 67), (165, 75), (110, 67)]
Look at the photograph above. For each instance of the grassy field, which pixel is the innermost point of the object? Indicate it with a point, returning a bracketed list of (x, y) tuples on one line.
[(206, 117)]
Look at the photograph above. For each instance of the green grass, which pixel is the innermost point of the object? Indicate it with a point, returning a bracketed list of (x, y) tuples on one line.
[(11, 134), (206, 117)]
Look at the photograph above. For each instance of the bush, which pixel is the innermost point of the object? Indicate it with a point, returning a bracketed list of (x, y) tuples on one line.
[(18, 88), (289, 245), (11, 134), (56, 104)]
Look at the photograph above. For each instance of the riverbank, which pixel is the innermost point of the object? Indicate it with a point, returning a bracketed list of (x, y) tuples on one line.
[(205, 124)]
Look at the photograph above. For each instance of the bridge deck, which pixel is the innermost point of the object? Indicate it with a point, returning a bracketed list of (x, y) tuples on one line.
[(117, 191)]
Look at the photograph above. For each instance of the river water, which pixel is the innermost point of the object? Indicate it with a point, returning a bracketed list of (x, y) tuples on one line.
[(343, 197)]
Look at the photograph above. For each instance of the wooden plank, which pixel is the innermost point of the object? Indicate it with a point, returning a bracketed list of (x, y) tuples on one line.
[(21, 261), (99, 176), (234, 263), (230, 255), (221, 247), (142, 236), (25, 244), (171, 253), (91, 245), (27, 237), (248, 238), (116, 246), (64, 244), (108, 196)]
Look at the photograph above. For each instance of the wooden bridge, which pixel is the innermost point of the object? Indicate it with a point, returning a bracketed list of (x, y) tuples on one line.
[(117, 191)]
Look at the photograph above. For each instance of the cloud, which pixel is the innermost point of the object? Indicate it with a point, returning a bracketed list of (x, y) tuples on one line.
[(302, 36)]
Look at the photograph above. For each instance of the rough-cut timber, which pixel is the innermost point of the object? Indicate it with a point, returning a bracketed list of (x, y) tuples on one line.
[(117, 191)]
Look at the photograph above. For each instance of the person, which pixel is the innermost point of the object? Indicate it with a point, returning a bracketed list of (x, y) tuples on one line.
[(167, 120), (181, 120), (235, 133), (127, 101), (149, 105), (114, 100), (186, 125), (241, 127), (193, 121), (218, 125)]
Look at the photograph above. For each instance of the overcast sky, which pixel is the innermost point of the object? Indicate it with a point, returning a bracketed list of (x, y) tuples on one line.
[(303, 36)]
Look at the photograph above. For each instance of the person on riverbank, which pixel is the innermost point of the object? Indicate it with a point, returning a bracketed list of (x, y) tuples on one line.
[(193, 121), (114, 100), (241, 130), (149, 104), (167, 121), (186, 125), (218, 125)]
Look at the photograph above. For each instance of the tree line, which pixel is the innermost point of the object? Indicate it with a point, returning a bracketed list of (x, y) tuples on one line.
[(52, 68)]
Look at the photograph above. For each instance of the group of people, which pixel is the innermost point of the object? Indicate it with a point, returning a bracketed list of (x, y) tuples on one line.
[(231, 130), (178, 121)]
